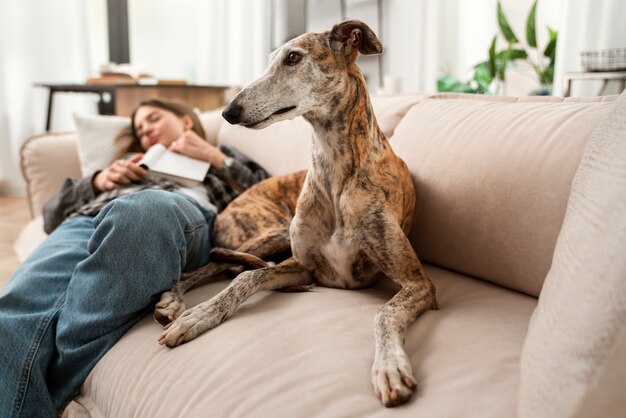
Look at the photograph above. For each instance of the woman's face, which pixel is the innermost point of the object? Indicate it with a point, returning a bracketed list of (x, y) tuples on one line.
[(155, 125)]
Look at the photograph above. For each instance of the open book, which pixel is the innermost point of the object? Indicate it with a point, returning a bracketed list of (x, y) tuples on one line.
[(173, 166)]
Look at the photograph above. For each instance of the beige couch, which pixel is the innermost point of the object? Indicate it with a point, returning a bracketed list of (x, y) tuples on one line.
[(521, 224)]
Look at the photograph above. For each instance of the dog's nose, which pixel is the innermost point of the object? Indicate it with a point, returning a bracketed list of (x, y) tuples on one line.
[(232, 113)]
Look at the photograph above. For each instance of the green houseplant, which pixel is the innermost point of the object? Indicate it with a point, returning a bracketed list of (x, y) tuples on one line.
[(493, 71)]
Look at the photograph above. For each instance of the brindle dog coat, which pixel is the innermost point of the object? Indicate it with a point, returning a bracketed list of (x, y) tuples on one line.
[(356, 205), (253, 227)]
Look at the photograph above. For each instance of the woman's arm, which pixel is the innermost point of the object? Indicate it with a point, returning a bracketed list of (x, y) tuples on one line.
[(73, 194), (226, 162)]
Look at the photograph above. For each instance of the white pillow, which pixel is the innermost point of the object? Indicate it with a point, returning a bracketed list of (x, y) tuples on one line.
[(96, 145), (96, 134), (211, 122)]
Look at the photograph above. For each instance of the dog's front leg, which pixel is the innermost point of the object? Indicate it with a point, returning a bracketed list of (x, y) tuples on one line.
[(210, 314), (392, 374)]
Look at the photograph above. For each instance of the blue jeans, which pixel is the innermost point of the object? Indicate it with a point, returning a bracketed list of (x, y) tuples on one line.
[(84, 287)]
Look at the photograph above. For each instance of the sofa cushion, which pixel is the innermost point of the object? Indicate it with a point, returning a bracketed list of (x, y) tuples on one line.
[(285, 147), (310, 354), (583, 302), (492, 177)]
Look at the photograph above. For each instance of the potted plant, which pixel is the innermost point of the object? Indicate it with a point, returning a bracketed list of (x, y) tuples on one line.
[(490, 75)]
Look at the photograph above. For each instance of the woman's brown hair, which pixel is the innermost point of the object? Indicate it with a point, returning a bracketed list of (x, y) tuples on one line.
[(176, 108)]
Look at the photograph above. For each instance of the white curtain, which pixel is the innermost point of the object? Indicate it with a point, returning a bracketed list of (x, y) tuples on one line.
[(40, 41), (588, 25), (217, 42), (426, 39), (236, 41)]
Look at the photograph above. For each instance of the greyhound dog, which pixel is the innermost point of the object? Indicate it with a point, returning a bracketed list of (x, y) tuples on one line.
[(356, 205), (251, 228)]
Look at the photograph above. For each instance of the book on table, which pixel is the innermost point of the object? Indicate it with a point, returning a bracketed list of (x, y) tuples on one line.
[(163, 163), (129, 74)]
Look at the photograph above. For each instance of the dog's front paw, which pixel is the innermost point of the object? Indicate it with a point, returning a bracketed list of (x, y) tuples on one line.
[(170, 307), (192, 323), (393, 379)]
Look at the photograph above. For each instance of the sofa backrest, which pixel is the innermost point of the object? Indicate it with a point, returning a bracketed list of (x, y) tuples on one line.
[(285, 147), (493, 175)]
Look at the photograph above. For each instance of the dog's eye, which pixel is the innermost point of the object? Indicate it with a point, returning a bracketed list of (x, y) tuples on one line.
[(293, 58)]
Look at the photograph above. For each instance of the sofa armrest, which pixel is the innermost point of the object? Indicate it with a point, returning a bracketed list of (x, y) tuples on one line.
[(46, 160)]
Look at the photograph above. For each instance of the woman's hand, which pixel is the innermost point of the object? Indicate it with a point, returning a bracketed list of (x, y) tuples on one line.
[(120, 172), (191, 145)]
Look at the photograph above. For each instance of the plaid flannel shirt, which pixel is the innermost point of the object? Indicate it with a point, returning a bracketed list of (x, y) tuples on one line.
[(77, 197)]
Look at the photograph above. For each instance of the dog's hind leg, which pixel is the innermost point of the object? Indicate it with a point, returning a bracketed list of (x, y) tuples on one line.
[(213, 312), (392, 374), (172, 303)]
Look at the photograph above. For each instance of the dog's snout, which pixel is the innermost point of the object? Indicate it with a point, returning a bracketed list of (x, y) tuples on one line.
[(232, 113)]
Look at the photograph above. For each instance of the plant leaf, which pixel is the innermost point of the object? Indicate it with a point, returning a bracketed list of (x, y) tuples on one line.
[(547, 76), (502, 61), (512, 54), (483, 77), (444, 82), (550, 50), (492, 57), (531, 33), (448, 83), (505, 28)]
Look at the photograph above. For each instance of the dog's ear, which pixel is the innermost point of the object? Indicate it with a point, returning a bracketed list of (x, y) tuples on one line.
[(351, 36)]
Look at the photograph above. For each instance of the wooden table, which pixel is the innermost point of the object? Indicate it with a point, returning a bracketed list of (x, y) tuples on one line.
[(605, 76), (122, 99)]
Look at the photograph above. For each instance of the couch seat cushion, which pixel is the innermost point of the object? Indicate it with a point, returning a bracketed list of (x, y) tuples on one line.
[(310, 354)]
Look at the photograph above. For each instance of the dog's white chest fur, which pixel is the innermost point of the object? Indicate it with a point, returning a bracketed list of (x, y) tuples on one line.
[(340, 253)]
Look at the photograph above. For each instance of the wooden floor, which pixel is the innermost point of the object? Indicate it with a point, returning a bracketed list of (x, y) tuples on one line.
[(14, 214)]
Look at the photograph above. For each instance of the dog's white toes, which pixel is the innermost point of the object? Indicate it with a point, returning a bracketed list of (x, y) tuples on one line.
[(175, 334), (187, 327), (194, 322), (393, 382)]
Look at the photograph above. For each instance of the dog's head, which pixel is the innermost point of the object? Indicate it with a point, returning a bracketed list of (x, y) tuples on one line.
[(307, 74)]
